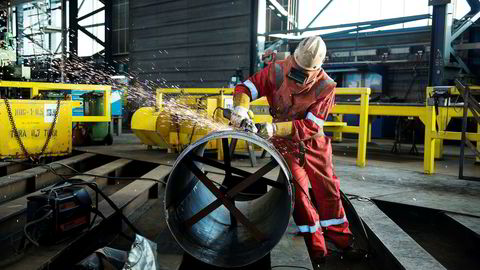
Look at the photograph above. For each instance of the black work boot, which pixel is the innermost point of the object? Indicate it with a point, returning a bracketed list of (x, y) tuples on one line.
[(318, 263), (354, 254)]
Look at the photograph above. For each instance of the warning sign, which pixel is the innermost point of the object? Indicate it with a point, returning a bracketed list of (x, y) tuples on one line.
[(49, 112)]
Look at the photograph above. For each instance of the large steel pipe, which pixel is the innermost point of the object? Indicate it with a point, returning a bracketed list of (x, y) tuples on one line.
[(237, 219)]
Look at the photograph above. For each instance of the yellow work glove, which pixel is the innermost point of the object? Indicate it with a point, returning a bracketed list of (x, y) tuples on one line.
[(283, 129), (241, 114), (268, 130)]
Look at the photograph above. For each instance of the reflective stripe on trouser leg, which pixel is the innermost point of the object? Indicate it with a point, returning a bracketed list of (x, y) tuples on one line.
[(326, 190), (304, 214)]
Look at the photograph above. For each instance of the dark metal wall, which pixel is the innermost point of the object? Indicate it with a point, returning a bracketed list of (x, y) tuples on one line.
[(120, 24), (191, 43)]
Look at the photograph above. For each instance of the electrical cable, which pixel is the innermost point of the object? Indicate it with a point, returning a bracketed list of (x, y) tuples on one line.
[(45, 216), (114, 177), (66, 166), (357, 217), (77, 173), (93, 186), (214, 111)]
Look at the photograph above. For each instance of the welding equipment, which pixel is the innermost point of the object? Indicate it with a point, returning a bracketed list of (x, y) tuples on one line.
[(58, 212)]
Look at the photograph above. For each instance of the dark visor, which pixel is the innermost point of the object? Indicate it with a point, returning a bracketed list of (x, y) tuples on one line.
[(297, 75)]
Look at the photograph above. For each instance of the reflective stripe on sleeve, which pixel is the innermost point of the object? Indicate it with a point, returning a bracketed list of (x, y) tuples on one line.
[(315, 119), (330, 222), (309, 229), (252, 88)]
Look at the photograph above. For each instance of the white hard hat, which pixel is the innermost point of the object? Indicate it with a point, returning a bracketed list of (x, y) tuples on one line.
[(310, 53)]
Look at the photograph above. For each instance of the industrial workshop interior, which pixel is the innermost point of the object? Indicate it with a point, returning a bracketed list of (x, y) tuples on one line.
[(239, 134)]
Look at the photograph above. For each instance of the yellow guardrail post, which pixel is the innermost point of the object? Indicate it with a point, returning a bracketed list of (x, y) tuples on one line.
[(337, 136), (441, 127), (478, 143), (363, 129), (159, 100), (429, 146), (34, 92), (219, 141), (442, 119)]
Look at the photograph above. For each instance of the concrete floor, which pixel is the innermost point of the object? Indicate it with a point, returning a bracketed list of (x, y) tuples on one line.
[(388, 181)]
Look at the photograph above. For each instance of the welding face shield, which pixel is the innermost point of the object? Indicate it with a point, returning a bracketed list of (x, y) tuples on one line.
[(300, 75)]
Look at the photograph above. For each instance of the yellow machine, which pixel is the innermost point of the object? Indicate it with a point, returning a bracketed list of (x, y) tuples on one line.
[(167, 128), (33, 121)]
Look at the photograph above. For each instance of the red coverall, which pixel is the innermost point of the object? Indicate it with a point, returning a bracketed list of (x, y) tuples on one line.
[(307, 106)]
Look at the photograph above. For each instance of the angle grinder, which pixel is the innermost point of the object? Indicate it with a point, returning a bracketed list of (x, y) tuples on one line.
[(246, 124)]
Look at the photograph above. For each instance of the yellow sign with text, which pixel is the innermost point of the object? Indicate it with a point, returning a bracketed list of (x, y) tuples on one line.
[(34, 119)]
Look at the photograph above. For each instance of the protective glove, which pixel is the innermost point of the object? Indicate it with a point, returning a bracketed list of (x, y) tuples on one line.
[(266, 130), (239, 116)]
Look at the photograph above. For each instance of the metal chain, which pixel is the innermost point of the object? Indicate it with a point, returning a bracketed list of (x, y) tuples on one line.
[(14, 128), (17, 136), (50, 132)]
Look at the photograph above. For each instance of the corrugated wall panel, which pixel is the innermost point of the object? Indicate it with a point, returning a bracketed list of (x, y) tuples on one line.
[(190, 43)]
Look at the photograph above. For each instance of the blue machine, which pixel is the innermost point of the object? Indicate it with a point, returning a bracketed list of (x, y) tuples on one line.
[(78, 111), (116, 100)]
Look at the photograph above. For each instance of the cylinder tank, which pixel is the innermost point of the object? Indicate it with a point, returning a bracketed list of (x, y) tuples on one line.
[(208, 218)]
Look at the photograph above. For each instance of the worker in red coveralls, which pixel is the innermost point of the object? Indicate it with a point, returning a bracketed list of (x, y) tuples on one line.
[(301, 95)]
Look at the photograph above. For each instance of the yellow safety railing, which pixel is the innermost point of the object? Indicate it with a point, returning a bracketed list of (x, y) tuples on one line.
[(434, 138), (426, 113), (36, 87), (190, 92), (433, 147), (362, 129)]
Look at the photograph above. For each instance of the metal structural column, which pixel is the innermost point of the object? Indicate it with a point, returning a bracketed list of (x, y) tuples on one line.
[(64, 40), (20, 34), (73, 29), (438, 40), (108, 31)]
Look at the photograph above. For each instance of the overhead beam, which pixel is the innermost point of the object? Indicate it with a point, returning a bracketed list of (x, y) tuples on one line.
[(91, 13), (86, 32), (390, 21), (319, 13)]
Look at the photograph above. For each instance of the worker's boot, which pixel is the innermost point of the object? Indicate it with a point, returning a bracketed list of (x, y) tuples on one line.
[(354, 254), (318, 263)]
